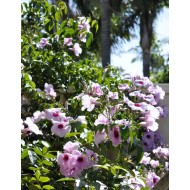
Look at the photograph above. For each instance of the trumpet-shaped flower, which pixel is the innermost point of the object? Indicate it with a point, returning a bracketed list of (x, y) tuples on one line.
[(68, 41), (88, 103), (114, 135), (32, 127), (99, 137), (76, 49), (60, 128), (69, 147), (152, 179)]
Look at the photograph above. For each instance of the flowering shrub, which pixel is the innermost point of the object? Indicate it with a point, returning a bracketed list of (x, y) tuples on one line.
[(83, 127)]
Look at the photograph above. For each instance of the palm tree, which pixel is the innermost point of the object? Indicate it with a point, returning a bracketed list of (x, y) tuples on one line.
[(105, 32), (146, 11)]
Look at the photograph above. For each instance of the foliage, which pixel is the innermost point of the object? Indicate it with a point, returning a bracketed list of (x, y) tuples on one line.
[(82, 125)]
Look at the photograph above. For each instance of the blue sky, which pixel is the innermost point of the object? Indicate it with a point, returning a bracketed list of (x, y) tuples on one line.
[(123, 58)]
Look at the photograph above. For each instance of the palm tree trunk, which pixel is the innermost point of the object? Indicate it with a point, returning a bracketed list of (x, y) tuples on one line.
[(146, 62), (105, 32), (146, 30)]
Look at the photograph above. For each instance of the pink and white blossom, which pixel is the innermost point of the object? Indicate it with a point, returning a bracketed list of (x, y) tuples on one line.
[(114, 135), (123, 87), (99, 137), (154, 163), (60, 128), (69, 147), (43, 42), (54, 114), (76, 49), (81, 119), (102, 119), (96, 89), (113, 95), (49, 91), (68, 41), (88, 102), (145, 159), (38, 115), (152, 179), (32, 127)]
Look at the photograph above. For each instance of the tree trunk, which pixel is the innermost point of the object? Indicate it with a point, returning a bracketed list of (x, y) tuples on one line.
[(146, 30), (105, 32), (146, 62)]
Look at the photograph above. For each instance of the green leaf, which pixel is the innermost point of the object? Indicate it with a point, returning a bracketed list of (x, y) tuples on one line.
[(48, 187), (145, 188), (44, 150), (65, 179), (49, 155), (47, 163), (32, 168), (140, 154), (35, 187), (89, 39), (37, 151), (94, 22), (38, 174), (57, 16), (72, 134), (24, 153), (44, 179), (101, 166), (113, 171)]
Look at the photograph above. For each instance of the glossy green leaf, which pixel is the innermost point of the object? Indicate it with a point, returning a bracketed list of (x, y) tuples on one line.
[(65, 179), (44, 150), (48, 187), (24, 153), (47, 162), (44, 179), (37, 151), (48, 155)]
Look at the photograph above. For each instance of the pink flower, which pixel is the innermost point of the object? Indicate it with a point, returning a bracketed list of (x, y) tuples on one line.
[(54, 114), (161, 152), (145, 159), (154, 163), (64, 159), (92, 157), (60, 128), (43, 42), (32, 127), (101, 120), (142, 106), (69, 147), (81, 119), (113, 95), (68, 41), (79, 160), (83, 24), (49, 91), (96, 89), (114, 135), (150, 123), (37, 116), (70, 171), (99, 137), (77, 50), (123, 87), (152, 179), (123, 122), (88, 102)]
